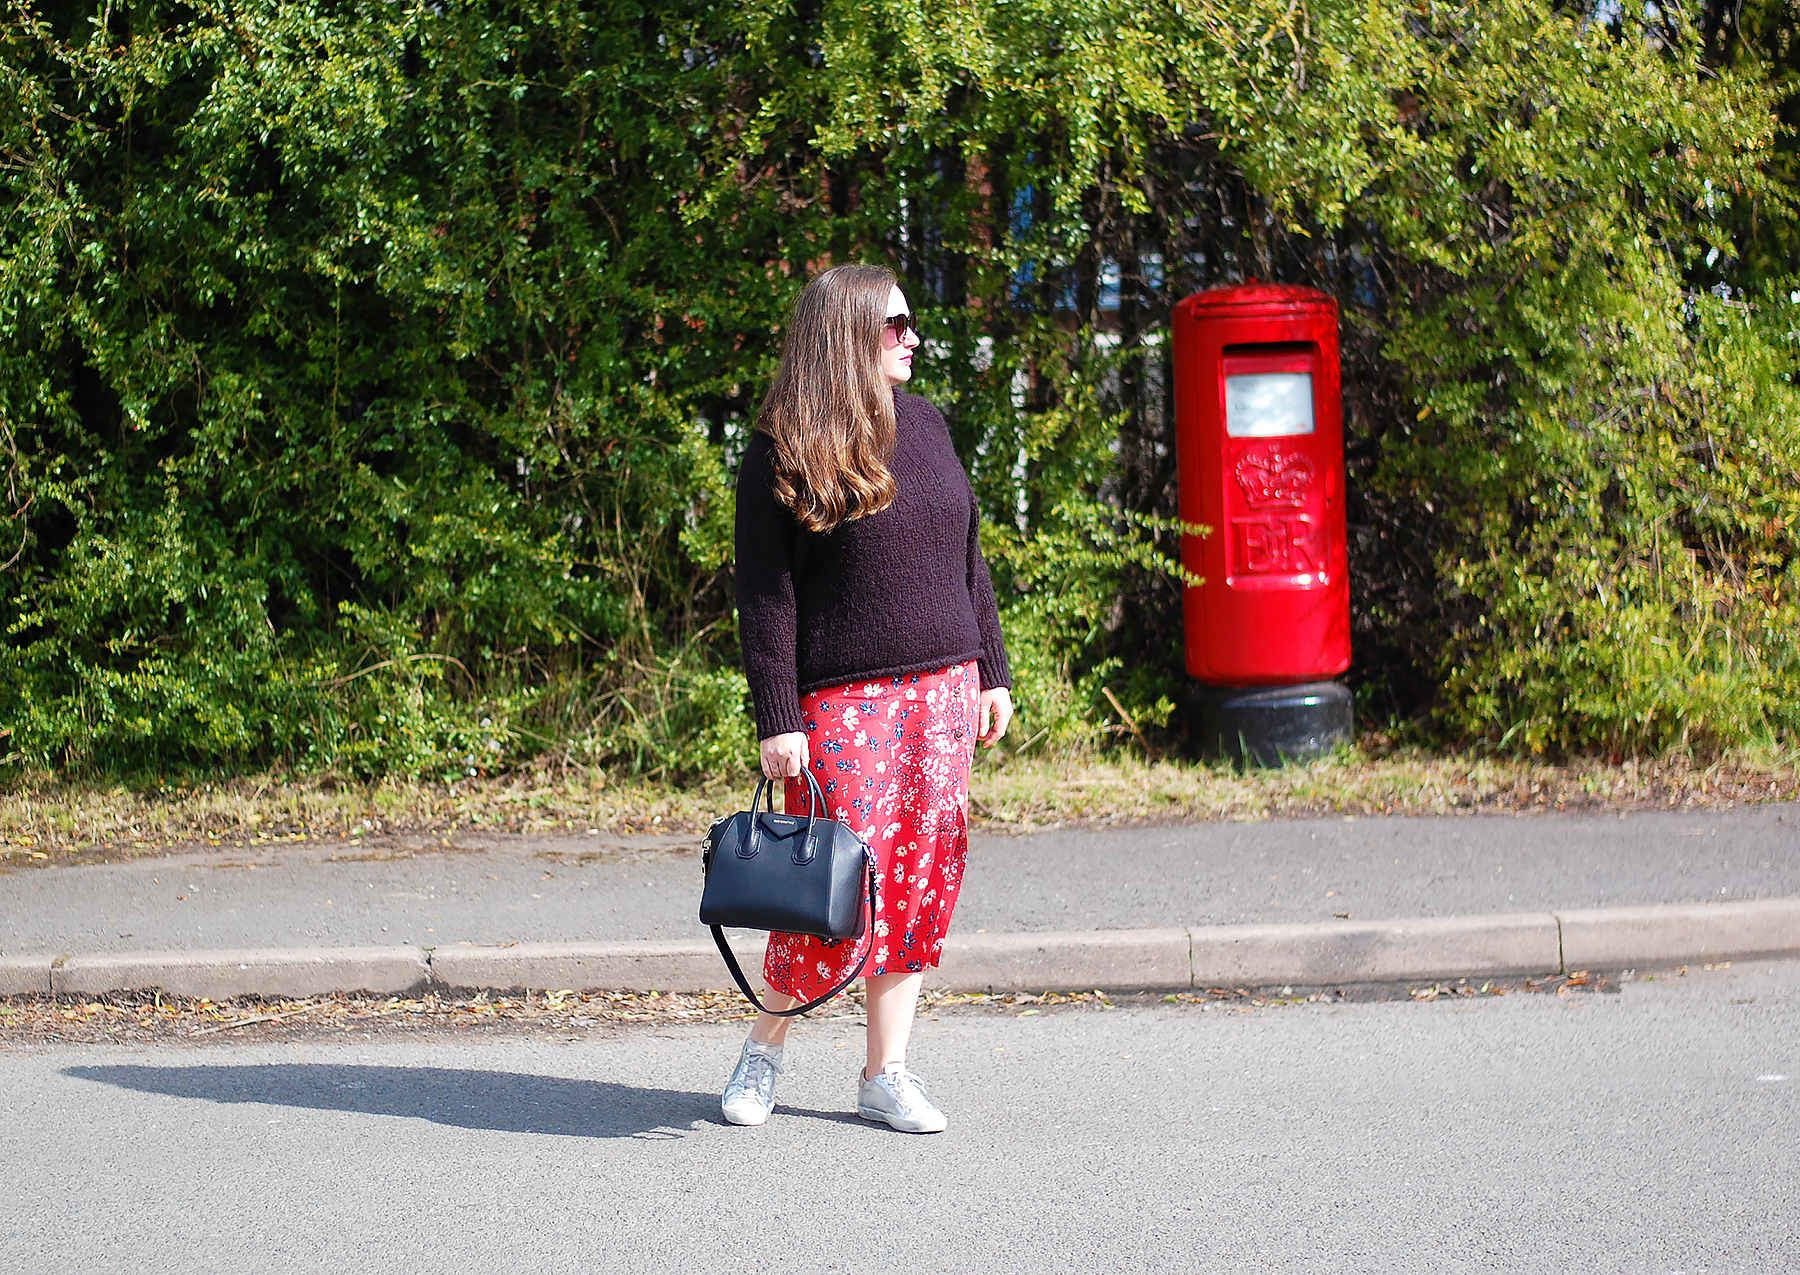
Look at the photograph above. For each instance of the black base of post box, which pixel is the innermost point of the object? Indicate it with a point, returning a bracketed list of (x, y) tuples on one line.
[(1270, 725)]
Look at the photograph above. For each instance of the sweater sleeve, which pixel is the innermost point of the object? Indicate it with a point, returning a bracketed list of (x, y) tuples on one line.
[(993, 667), (766, 535)]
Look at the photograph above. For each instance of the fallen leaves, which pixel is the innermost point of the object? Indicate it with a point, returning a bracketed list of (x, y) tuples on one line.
[(1557, 984), (1096, 999), (161, 1018)]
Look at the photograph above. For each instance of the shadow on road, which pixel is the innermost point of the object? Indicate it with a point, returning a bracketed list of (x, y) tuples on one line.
[(502, 1101)]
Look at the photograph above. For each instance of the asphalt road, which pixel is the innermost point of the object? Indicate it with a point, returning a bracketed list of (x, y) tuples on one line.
[(496, 889), (1654, 1130)]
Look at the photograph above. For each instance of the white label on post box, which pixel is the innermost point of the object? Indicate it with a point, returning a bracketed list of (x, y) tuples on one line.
[(1268, 404)]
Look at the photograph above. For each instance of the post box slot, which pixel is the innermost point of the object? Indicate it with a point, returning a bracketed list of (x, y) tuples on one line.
[(1269, 390)]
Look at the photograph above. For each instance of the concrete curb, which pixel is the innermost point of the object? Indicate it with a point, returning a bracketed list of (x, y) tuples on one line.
[(1621, 938), (1336, 952), (294, 971), (1317, 955), (644, 966), (25, 975), (1083, 959)]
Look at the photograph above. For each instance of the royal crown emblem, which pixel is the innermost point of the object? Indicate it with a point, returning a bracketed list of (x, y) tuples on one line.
[(1274, 478)]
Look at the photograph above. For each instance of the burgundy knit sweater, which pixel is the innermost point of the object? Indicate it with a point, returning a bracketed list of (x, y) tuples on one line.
[(905, 590)]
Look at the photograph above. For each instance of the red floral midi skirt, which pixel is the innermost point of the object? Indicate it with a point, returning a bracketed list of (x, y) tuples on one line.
[(892, 758)]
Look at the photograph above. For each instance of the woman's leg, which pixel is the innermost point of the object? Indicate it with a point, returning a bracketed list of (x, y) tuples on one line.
[(768, 1029), (786, 964), (895, 1097), (892, 1000), (749, 1095)]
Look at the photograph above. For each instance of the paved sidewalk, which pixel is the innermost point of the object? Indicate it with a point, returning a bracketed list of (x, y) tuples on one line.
[(441, 892)]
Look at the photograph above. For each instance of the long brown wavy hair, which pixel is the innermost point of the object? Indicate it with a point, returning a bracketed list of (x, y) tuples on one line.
[(830, 410)]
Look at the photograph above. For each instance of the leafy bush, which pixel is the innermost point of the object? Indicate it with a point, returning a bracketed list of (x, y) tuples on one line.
[(372, 374)]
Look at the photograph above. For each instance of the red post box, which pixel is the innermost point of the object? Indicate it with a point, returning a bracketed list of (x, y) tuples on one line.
[(1260, 455)]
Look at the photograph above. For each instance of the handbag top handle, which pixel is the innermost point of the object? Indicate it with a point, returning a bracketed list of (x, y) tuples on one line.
[(803, 853)]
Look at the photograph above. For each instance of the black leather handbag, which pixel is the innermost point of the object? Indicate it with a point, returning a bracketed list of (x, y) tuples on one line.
[(801, 874)]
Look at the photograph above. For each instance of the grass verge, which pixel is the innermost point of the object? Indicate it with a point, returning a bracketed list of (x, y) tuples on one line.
[(43, 821)]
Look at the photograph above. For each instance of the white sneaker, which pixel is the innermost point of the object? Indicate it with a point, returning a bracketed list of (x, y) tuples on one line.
[(898, 1097), (750, 1093)]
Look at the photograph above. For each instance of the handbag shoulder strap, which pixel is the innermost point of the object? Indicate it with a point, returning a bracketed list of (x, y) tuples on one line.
[(744, 983)]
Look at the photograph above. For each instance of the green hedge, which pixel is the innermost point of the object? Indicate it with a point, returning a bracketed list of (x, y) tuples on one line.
[(372, 374)]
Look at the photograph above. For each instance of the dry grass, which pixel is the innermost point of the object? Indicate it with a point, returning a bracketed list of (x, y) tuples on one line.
[(1027, 793), (44, 821)]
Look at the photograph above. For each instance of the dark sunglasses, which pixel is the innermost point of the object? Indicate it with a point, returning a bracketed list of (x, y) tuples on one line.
[(902, 324)]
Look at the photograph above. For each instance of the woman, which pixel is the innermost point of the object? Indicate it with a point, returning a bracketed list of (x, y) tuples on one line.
[(874, 656)]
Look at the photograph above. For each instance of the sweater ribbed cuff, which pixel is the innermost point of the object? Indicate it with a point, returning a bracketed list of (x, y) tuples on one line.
[(995, 675), (779, 719)]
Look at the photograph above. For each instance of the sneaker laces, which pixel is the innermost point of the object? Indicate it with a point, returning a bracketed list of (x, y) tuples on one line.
[(907, 1089), (751, 1069)]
